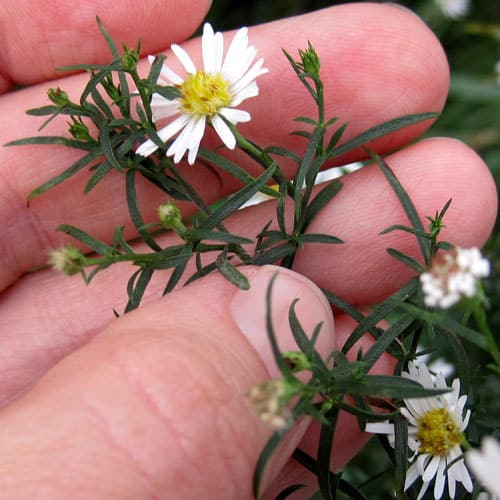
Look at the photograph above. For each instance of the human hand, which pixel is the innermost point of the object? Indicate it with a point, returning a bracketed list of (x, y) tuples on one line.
[(152, 404)]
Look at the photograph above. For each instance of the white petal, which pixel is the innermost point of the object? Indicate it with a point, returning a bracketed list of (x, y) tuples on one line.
[(238, 45), (250, 90), (170, 75), (219, 52), (440, 480), (239, 67), (380, 428), (184, 58), (235, 115), (255, 71), (430, 470), (171, 129), (182, 143), (208, 48), (411, 476), (162, 107), (422, 491), (146, 148), (224, 132), (196, 137)]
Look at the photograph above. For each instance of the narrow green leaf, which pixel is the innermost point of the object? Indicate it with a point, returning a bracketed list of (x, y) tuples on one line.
[(406, 259), (406, 203), (140, 287), (327, 482), (335, 138), (286, 153), (52, 140), (386, 386), (237, 200), (85, 238), (380, 312), (319, 238), (175, 277), (381, 130), (386, 339), (274, 254), (230, 272), (207, 234), (102, 104), (304, 343), (100, 172), (449, 324), (107, 146), (51, 109), (326, 194), (285, 493), (134, 212), (400, 451)]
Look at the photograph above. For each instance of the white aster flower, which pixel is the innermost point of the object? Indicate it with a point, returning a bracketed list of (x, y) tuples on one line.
[(435, 427), (208, 95), (452, 276), (454, 9), (484, 464)]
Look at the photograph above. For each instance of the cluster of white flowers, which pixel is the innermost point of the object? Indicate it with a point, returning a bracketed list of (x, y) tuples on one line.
[(435, 433), (267, 401), (207, 96), (454, 9), (484, 464), (452, 276)]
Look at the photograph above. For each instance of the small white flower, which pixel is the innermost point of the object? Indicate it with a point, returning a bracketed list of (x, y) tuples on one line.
[(484, 464), (435, 427), (208, 95), (452, 276), (454, 9)]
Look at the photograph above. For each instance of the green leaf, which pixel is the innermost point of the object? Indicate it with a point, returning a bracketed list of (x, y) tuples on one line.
[(274, 254), (319, 238), (386, 386), (380, 312), (139, 287), (175, 277), (406, 203), (52, 140), (300, 336), (327, 193), (382, 344), (207, 234), (237, 200), (231, 273), (85, 238), (406, 259), (381, 130), (449, 324), (327, 482), (69, 172), (286, 153), (100, 172), (400, 450), (285, 493), (134, 212), (335, 138)]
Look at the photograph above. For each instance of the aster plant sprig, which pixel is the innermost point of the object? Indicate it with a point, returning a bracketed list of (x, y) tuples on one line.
[(144, 126)]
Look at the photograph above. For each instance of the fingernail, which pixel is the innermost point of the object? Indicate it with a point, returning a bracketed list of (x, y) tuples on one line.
[(248, 309)]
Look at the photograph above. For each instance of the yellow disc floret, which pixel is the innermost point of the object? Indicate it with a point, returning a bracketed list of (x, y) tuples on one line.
[(204, 94), (438, 432)]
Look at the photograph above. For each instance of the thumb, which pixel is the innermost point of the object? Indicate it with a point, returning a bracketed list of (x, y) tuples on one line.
[(155, 405)]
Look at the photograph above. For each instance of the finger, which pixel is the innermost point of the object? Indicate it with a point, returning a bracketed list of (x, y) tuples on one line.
[(67, 313), (156, 403), (36, 39), (340, 36)]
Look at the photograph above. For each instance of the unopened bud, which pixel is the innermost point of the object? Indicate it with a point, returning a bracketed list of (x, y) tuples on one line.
[(170, 216), (310, 61), (58, 97), (130, 59)]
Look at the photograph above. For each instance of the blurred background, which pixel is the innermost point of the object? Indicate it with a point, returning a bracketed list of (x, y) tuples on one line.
[(469, 31)]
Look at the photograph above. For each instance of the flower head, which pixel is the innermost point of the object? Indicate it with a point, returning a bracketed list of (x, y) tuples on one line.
[(454, 9), (68, 260), (269, 401), (206, 96), (484, 464), (452, 276), (435, 427)]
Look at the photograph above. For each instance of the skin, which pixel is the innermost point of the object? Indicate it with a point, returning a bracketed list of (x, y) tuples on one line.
[(152, 404)]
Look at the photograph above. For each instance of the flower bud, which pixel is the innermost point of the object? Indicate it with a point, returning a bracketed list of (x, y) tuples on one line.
[(310, 61), (130, 59), (58, 97), (68, 260), (170, 216)]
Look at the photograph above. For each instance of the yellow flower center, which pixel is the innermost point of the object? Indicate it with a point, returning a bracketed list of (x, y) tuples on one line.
[(438, 432), (204, 94)]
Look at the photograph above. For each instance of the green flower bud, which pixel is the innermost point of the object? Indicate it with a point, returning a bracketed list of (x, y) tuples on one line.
[(130, 59), (58, 97), (170, 216), (68, 260), (297, 361), (79, 130), (310, 61)]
